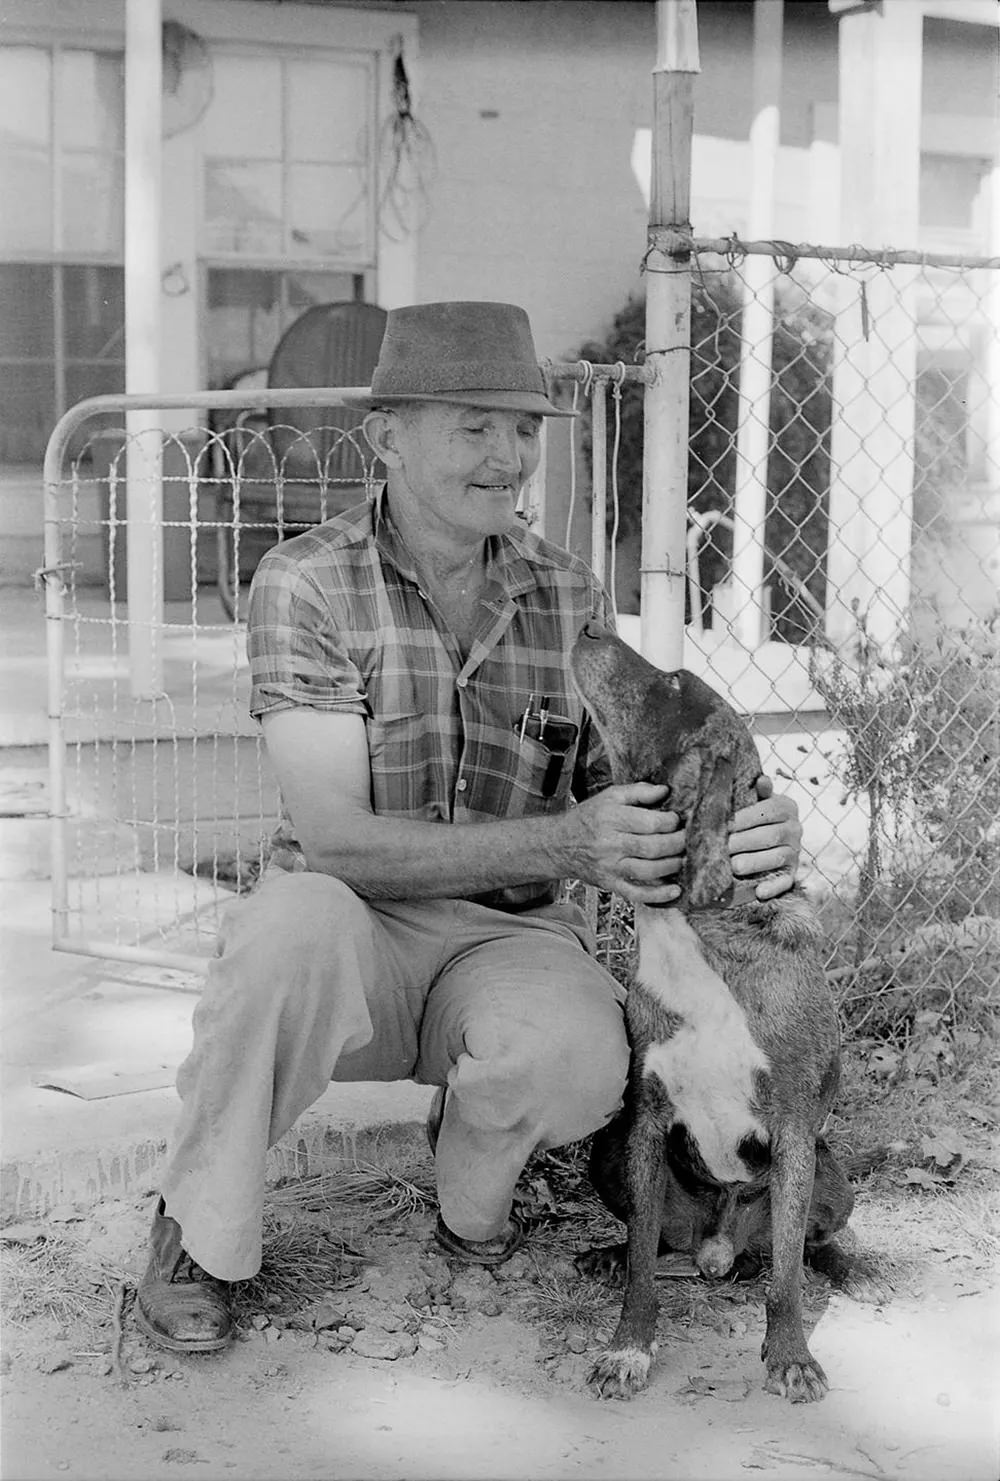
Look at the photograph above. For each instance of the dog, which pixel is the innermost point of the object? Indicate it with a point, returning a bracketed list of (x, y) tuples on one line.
[(727, 1227), (734, 1036)]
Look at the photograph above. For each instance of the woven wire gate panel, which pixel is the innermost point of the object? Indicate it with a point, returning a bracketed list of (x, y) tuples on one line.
[(163, 797)]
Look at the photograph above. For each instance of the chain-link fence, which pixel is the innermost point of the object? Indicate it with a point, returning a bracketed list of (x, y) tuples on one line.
[(841, 564), (843, 490)]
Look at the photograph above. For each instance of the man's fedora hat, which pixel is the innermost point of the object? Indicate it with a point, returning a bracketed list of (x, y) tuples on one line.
[(475, 354)]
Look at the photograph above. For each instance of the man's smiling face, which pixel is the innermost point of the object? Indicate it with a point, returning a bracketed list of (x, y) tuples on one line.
[(463, 466)]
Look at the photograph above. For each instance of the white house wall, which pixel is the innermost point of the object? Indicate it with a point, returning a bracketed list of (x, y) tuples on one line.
[(536, 111)]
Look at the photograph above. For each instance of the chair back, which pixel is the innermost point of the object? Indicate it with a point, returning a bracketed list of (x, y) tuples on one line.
[(331, 344)]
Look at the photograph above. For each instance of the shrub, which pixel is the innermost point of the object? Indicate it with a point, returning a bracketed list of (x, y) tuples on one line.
[(801, 409), (798, 467), (922, 745)]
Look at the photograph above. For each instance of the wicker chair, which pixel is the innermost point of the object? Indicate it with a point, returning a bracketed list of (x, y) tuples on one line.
[(287, 470)]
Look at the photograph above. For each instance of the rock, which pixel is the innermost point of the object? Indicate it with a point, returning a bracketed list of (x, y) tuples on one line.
[(141, 1365), (388, 1346), (397, 1318), (576, 1342), (516, 1268), (53, 1363), (471, 1292), (427, 1343), (346, 1333), (490, 1306), (22, 1234), (163, 1422), (356, 1319), (65, 1213), (321, 1315), (177, 1455)]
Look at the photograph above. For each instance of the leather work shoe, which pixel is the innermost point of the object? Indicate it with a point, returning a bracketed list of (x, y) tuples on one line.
[(178, 1305)]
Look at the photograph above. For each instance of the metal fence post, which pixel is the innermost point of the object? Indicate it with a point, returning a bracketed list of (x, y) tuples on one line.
[(668, 337)]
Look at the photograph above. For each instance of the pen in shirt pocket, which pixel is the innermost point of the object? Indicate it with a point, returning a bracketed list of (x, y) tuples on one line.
[(555, 733)]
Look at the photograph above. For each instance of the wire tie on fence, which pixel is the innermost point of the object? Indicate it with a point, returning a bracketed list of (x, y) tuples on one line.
[(617, 379), (587, 375), (785, 256), (667, 570), (39, 577), (735, 253), (865, 315)]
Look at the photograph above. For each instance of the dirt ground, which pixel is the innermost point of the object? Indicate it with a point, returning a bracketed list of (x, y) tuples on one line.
[(366, 1353)]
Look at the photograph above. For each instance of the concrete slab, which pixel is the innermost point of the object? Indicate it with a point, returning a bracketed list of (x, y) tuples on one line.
[(77, 1019)]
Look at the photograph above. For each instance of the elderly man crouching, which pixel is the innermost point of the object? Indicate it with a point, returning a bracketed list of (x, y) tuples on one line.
[(439, 778)]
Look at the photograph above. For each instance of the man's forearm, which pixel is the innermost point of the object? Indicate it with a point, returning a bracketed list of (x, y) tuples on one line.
[(401, 859)]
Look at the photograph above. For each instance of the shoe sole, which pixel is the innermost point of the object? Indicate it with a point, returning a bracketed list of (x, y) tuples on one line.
[(463, 1249), (173, 1344)]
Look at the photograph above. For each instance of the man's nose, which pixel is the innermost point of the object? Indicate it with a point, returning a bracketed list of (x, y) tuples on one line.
[(504, 449)]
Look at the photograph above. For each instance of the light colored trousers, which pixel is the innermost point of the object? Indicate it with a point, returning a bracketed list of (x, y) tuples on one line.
[(312, 983)]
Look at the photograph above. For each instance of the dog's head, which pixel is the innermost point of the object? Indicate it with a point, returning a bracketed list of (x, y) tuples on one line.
[(674, 730)]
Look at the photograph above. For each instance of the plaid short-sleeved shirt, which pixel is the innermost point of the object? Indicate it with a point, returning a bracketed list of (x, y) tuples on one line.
[(338, 622)]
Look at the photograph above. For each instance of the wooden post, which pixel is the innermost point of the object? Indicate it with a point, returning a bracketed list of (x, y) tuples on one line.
[(875, 340), (753, 436), (599, 481), (668, 339), (144, 487)]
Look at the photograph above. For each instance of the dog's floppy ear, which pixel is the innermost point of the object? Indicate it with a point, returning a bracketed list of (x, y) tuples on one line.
[(708, 872)]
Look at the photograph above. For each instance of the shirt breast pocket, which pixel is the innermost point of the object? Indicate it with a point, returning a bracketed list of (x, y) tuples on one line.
[(545, 769)]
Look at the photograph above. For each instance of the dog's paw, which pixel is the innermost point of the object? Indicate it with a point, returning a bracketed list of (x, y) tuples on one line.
[(605, 1262), (802, 1381), (621, 1372)]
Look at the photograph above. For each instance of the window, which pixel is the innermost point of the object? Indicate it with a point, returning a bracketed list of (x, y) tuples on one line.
[(953, 200), (288, 159), (61, 278), (287, 179)]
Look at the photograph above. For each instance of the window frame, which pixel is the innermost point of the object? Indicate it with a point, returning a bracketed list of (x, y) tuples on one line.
[(362, 263), (288, 265), (58, 259)]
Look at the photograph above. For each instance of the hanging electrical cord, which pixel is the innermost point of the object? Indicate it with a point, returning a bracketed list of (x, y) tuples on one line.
[(407, 161)]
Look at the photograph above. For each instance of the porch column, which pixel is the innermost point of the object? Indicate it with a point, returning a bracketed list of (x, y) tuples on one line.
[(144, 486), (753, 437), (875, 341)]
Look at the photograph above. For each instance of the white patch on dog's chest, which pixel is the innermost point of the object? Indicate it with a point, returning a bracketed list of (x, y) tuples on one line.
[(708, 1066)]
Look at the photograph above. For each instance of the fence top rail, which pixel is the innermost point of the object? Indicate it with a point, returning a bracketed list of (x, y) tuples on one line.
[(678, 243), (580, 371)]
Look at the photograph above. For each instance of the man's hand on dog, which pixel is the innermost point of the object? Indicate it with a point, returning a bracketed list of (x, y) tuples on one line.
[(623, 842), (765, 837)]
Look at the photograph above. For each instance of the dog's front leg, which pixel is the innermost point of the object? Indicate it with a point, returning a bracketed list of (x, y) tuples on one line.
[(791, 1368), (623, 1368)]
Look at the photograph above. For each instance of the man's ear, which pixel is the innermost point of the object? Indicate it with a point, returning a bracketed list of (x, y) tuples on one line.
[(381, 429)]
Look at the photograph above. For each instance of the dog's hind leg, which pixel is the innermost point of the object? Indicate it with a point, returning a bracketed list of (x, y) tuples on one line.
[(623, 1368), (791, 1368)]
